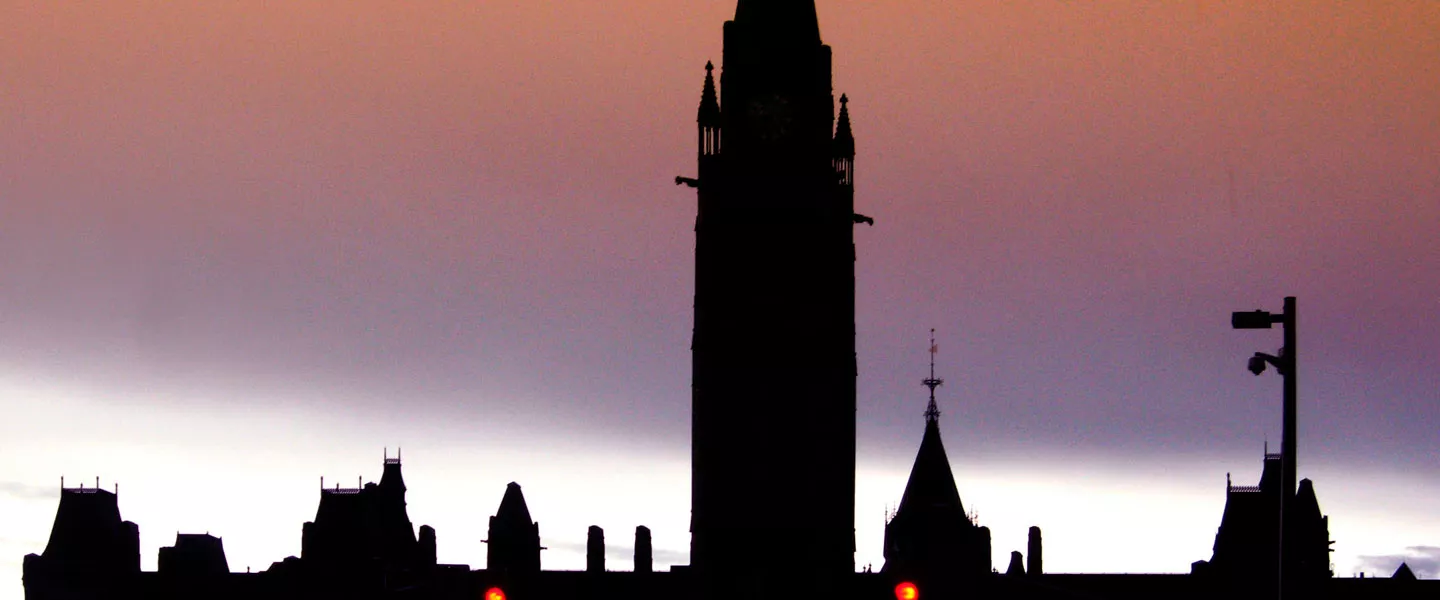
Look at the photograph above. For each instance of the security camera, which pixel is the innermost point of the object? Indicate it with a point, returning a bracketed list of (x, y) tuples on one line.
[(1257, 365)]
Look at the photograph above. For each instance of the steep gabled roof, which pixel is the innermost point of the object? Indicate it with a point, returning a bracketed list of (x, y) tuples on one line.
[(1270, 475), (1307, 507), (512, 506), (1404, 573), (391, 478), (931, 487)]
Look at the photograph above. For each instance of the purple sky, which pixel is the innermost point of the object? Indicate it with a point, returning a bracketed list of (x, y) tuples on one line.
[(347, 225)]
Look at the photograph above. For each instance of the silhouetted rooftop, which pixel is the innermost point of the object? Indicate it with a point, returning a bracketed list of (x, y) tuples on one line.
[(780, 20), (932, 483), (512, 506), (1404, 573)]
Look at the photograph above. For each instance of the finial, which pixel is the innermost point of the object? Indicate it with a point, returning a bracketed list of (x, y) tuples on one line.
[(932, 412), (844, 99), (709, 66)]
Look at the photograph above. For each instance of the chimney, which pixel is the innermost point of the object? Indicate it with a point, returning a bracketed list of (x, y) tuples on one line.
[(644, 560), (1017, 565), (985, 544), (1035, 564), (595, 551)]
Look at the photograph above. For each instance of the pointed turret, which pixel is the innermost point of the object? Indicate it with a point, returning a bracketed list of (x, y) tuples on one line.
[(844, 147), (930, 537), (709, 119), (709, 99), (844, 137), (931, 487), (512, 506), (514, 540), (1309, 535), (397, 543), (390, 478)]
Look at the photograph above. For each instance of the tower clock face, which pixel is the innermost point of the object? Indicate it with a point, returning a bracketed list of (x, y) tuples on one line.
[(771, 117)]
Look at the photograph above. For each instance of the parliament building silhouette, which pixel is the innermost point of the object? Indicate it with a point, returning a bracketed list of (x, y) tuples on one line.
[(772, 498)]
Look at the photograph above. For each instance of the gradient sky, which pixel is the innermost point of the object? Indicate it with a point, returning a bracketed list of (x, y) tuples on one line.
[(245, 245)]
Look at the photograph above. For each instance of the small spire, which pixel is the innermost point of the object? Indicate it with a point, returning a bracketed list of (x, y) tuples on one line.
[(844, 137), (932, 412), (709, 99)]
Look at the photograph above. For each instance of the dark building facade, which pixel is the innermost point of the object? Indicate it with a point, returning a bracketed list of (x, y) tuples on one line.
[(774, 402), (774, 269), (1247, 543), (514, 538), (368, 527), (90, 549)]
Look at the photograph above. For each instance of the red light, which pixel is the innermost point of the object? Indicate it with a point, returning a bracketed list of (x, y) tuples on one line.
[(907, 591), (494, 593)]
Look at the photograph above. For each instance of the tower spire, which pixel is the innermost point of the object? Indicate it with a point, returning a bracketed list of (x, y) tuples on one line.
[(709, 117), (844, 135), (932, 412), (709, 99)]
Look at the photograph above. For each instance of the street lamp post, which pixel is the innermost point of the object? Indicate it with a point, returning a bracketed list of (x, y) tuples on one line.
[(1284, 363)]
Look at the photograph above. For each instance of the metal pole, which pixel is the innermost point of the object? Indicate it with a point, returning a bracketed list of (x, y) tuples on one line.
[(1287, 442)]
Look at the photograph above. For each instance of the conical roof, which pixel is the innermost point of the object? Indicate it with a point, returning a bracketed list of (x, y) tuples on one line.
[(932, 484), (1404, 573), (844, 136), (512, 506), (1307, 507), (709, 99)]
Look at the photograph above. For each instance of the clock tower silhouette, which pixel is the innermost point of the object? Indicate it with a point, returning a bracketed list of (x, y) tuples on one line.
[(773, 405)]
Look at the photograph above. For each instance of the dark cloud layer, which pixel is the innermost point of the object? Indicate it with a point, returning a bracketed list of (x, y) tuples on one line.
[(1423, 560)]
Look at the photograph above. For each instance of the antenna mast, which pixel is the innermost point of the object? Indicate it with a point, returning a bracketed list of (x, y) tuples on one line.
[(932, 412)]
